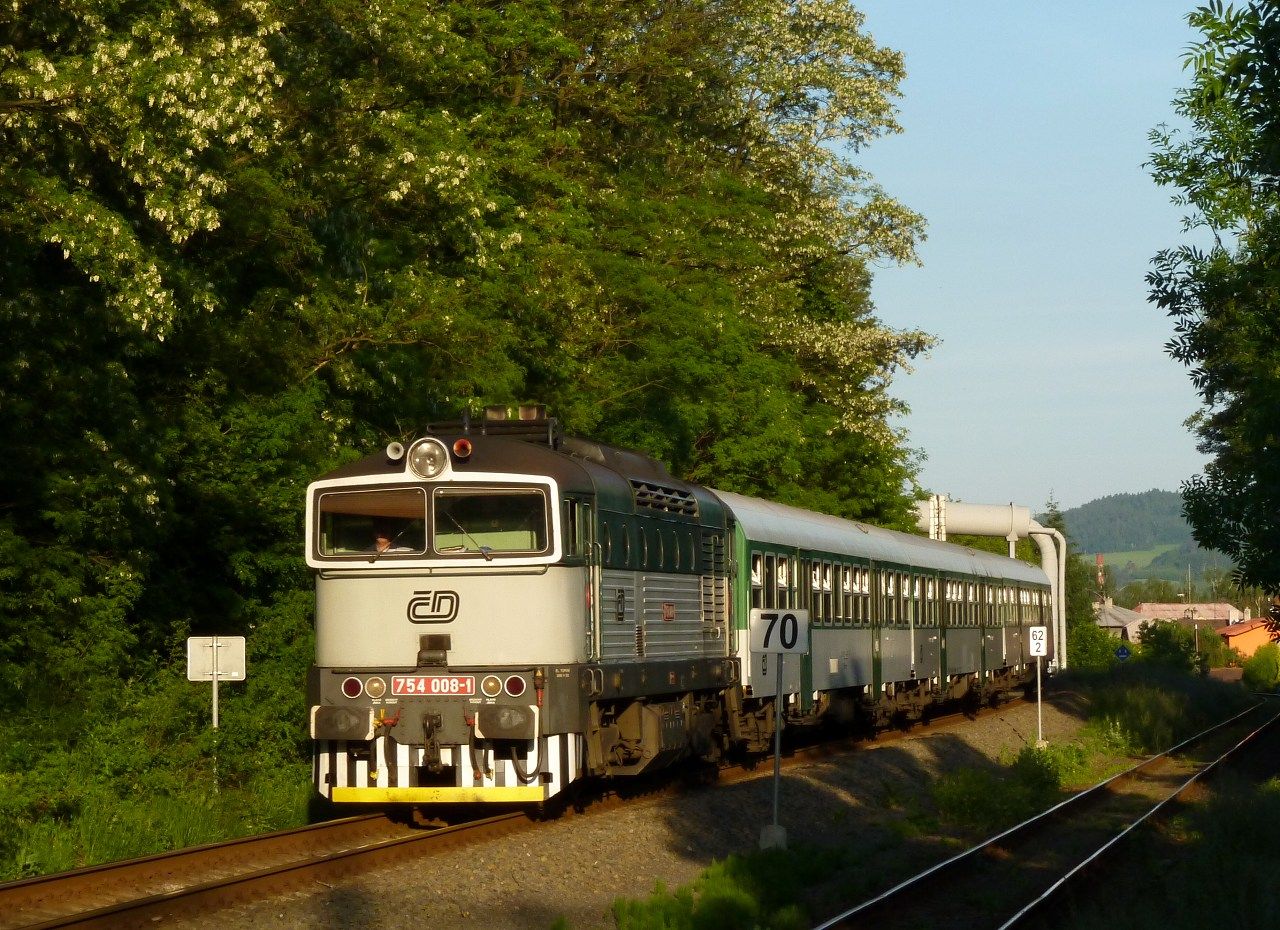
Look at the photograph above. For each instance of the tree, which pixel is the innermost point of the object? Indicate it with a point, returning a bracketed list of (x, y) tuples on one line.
[(1088, 645), (242, 241), (1225, 300), (1168, 644)]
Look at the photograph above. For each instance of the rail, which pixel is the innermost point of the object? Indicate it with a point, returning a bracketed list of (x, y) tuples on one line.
[(892, 905)]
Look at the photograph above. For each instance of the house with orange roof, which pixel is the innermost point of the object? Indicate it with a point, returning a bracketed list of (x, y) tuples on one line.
[(1246, 637)]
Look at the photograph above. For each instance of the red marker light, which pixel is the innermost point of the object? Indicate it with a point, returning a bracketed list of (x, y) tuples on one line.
[(462, 449)]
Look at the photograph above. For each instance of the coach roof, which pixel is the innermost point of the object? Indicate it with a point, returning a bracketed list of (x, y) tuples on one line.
[(779, 524)]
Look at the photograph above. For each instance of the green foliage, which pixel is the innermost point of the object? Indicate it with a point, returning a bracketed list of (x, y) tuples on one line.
[(1141, 708), (1081, 587), (1262, 669), (756, 890), (242, 243), (1181, 866), (987, 800), (1126, 522), (1169, 645), (1225, 301), (1131, 711), (1091, 648)]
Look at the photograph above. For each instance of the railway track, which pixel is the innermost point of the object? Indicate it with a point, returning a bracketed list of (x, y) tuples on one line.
[(139, 892), (1005, 880)]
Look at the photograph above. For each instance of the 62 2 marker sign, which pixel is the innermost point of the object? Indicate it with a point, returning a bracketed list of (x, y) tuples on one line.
[(1039, 640), (781, 630)]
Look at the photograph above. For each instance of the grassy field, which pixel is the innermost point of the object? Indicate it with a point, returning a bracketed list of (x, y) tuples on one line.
[(1140, 558)]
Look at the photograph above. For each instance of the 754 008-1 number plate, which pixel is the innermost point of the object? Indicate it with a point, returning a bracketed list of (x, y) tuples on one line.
[(433, 684)]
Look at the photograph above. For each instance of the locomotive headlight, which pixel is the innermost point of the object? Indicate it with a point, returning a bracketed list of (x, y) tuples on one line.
[(491, 686), (375, 687), (428, 458)]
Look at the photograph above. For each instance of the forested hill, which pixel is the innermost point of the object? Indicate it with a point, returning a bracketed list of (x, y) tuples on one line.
[(1127, 522)]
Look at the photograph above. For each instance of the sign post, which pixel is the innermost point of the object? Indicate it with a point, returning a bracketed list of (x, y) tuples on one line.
[(778, 632), (1039, 649), (214, 658)]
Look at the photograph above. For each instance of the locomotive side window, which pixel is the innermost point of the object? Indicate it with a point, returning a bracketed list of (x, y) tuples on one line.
[(390, 521), (490, 520), (577, 523)]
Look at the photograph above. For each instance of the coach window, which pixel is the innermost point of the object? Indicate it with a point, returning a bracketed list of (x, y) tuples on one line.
[(864, 594), (813, 590), (757, 580), (784, 583)]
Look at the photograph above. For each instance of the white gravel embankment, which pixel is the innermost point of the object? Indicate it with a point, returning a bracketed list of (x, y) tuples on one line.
[(577, 867)]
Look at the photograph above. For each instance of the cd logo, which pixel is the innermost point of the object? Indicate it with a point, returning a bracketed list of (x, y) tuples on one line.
[(433, 606)]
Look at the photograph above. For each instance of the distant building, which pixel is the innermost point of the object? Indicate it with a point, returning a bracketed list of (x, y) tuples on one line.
[(1119, 621), (1210, 616), (1246, 637)]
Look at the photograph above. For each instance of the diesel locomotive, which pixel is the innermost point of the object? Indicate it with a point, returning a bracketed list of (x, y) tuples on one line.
[(503, 610)]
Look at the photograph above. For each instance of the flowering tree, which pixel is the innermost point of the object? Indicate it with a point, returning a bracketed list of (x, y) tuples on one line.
[(241, 240)]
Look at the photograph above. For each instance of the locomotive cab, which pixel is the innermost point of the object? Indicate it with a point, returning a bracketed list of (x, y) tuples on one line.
[(452, 603)]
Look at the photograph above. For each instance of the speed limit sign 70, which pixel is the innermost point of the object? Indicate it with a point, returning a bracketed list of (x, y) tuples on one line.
[(780, 630), (1039, 640)]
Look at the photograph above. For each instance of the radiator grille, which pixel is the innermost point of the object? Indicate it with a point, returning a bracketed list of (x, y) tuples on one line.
[(663, 499)]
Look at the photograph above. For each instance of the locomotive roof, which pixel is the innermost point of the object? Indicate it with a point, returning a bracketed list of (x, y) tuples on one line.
[(780, 524), (624, 481)]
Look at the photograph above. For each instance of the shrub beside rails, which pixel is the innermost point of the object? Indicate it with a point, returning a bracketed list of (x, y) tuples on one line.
[(503, 610)]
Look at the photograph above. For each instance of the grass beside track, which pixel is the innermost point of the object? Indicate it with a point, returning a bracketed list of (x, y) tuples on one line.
[(1131, 712), (1216, 863), (98, 826)]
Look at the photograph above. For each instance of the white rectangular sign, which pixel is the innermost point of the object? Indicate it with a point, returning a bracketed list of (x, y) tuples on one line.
[(1039, 640), (230, 657), (780, 629)]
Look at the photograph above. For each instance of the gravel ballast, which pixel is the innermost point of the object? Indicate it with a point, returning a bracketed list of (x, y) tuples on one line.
[(576, 867)]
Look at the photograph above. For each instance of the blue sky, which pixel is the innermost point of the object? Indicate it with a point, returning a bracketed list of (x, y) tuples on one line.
[(1025, 135)]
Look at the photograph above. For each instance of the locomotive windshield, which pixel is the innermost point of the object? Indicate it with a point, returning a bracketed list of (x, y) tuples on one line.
[(490, 520), (463, 521)]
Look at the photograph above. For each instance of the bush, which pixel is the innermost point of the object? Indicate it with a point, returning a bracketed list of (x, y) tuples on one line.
[(1262, 669), (1168, 644), (1148, 708), (1091, 648), (758, 890)]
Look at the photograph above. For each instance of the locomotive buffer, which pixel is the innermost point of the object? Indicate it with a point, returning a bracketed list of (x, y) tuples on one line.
[(782, 632)]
